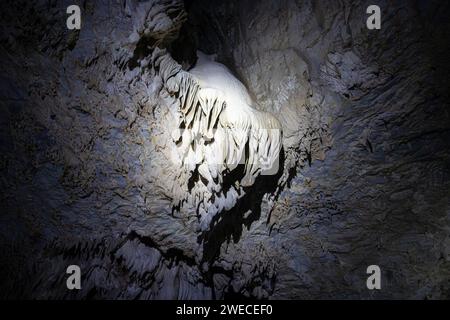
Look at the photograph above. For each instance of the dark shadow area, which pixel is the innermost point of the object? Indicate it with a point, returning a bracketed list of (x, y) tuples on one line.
[(183, 49), (228, 226), (203, 32), (143, 49)]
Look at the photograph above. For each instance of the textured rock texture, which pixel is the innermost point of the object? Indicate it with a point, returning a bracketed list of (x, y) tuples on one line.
[(87, 125)]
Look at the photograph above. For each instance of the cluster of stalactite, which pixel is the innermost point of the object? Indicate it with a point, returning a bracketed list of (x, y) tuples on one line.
[(217, 131)]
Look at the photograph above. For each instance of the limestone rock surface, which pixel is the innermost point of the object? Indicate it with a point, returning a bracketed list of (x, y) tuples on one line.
[(89, 121)]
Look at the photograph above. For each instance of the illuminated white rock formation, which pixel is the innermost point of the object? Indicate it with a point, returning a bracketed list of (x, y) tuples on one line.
[(218, 128)]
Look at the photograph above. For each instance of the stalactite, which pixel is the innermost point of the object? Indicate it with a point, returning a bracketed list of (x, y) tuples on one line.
[(219, 129)]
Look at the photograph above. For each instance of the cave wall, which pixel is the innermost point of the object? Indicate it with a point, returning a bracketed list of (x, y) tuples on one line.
[(364, 177)]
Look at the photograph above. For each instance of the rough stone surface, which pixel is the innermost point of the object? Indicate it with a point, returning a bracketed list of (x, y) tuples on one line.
[(365, 171)]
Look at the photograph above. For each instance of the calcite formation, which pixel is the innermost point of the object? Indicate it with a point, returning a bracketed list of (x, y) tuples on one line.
[(216, 130)]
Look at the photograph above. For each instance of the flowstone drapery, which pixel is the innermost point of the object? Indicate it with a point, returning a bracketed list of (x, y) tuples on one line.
[(217, 129)]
